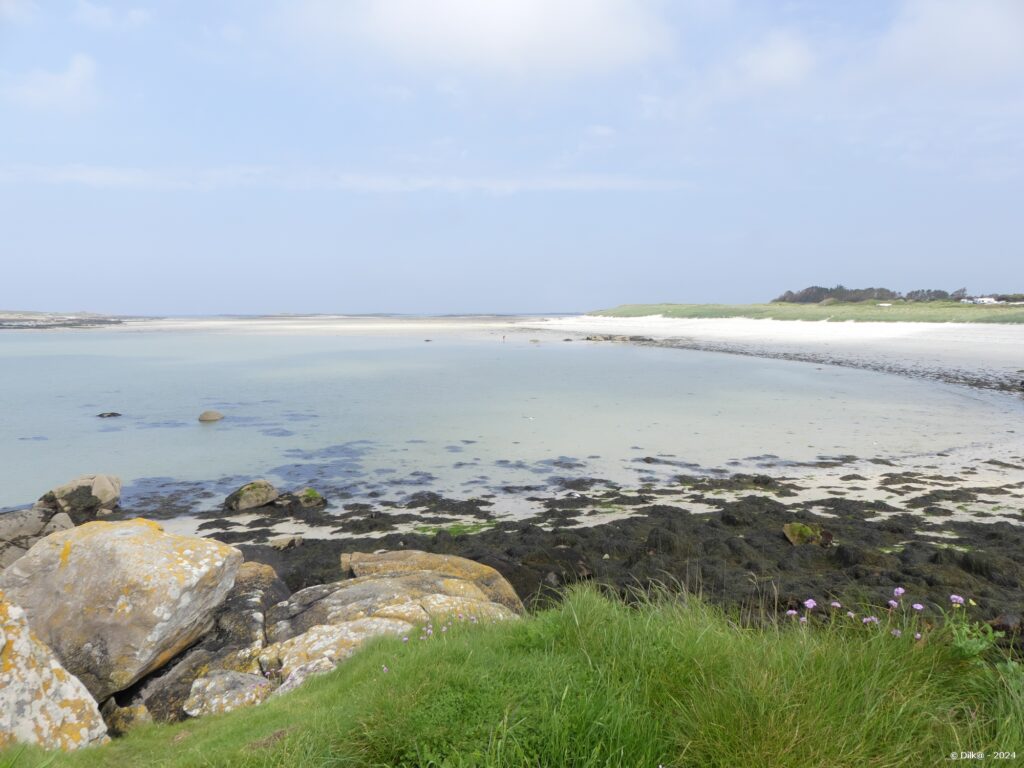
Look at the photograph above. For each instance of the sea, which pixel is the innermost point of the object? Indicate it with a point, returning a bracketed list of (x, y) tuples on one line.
[(384, 407)]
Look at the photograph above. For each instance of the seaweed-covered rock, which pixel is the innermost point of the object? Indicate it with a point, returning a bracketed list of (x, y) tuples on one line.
[(85, 498), (258, 493), (117, 600), (41, 703)]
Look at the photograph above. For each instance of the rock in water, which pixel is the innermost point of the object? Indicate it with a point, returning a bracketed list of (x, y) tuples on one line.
[(492, 583), (211, 416), (258, 493), (40, 702), (20, 529), (85, 498), (117, 600)]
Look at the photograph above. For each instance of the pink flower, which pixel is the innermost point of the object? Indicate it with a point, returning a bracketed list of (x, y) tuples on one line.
[(956, 600), (803, 619), (810, 604), (917, 607), (893, 604), (870, 620), (384, 669), (851, 614), (896, 633), (898, 592), (836, 604), (791, 612), (405, 639), (917, 635)]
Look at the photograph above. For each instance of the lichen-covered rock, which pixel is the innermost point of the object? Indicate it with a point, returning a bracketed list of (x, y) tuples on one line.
[(20, 529), (492, 583), (223, 691), (117, 600), (258, 493), (332, 642), (302, 673), (412, 597), (41, 703), (207, 416), (85, 498), (234, 643)]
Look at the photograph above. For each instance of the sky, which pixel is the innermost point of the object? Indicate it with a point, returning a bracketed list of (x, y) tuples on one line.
[(447, 156)]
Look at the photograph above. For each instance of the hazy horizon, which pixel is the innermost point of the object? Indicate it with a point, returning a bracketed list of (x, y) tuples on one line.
[(519, 156)]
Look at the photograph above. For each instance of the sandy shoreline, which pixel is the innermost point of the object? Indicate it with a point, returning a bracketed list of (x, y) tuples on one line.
[(988, 356)]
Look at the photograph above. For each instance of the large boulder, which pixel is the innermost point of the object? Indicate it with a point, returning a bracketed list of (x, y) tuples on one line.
[(117, 600), (258, 493), (490, 582), (40, 702), (20, 529), (85, 498), (233, 644)]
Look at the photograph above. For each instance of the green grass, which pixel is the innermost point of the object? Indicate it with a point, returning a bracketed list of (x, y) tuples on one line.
[(594, 682), (920, 312)]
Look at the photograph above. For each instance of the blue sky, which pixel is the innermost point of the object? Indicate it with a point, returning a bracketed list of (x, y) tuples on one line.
[(503, 155)]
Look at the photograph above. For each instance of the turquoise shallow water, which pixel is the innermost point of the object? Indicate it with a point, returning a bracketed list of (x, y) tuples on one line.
[(382, 411)]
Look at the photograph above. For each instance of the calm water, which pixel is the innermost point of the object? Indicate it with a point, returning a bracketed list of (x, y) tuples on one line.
[(384, 412)]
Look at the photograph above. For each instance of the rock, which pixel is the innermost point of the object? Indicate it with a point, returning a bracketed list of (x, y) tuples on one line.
[(233, 644), (41, 703), (20, 529), (120, 720), (85, 498), (1010, 623), (207, 416), (801, 533), (258, 493), (223, 691), (411, 597), (117, 600), (310, 498), (302, 673), (490, 582), (334, 643), (108, 415), (286, 542)]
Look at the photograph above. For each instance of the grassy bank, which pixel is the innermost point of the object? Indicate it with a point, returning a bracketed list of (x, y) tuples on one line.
[(596, 683), (922, 312)]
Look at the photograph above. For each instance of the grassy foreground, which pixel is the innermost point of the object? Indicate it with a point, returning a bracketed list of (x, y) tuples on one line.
[(869, 311), (594, 682)]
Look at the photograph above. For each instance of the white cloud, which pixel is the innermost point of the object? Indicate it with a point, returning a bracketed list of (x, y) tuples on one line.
[(780, 59), (271, 177), (507, 38), (105, 17), (70, 90), (959, 40)]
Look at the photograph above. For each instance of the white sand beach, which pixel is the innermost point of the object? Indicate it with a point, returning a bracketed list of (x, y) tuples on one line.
[(953, 347)]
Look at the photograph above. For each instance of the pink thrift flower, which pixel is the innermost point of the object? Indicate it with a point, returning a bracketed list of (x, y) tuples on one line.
[(803, 619), (893, 604), (896, 633), (836, 604), (956, 600), (791, 612), (898, 592), (810, 604), (917, 607), (917, 635), (851, 614)]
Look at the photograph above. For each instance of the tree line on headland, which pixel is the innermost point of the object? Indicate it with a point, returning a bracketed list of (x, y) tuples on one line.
[(816, 294)]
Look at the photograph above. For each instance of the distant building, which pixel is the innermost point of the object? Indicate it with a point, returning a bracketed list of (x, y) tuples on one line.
[(981, 300)]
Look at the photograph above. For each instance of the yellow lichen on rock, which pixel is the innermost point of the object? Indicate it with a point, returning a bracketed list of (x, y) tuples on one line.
[(115, 600), (40, 703), (493, 584)]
